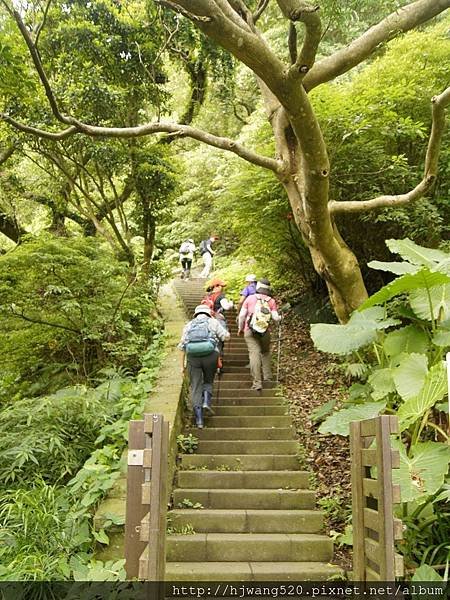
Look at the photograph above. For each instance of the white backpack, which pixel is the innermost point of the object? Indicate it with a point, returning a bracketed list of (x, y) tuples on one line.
[(260, 319)]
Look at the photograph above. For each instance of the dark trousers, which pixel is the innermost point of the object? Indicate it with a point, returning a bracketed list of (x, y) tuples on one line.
[(186, 266), (202, 370)]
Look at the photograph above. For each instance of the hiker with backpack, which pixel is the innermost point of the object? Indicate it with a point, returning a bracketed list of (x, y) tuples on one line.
[(200, 343), (218, 303), (186, 252), (249, 290), (255, 316), (207, 254)]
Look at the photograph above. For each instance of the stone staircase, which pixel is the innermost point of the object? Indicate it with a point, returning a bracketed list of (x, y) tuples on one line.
[(258, 519)]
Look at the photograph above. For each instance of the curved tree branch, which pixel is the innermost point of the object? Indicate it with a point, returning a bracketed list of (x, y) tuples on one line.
[(438, 103), (49, 135), (402, 20), (300, 10), (262, 5), (21, 315), (153, 128)]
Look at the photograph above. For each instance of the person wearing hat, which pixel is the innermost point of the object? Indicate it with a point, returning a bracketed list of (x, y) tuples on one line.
[(207, 255), (256, 313), (218, 304), (216, 298), (186, 252), (249, 290), (200, 343)]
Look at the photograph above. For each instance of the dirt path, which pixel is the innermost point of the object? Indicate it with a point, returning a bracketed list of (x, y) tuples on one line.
[(310, 379)]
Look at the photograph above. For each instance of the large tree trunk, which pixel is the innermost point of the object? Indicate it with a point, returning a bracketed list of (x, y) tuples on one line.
[(305, 178)]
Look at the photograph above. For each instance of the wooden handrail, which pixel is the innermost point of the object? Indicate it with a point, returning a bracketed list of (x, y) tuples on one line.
[(375, 529), (145, 526)]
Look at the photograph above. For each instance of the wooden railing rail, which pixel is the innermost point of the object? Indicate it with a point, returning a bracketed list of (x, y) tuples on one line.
[(375, 529), (145, 523)]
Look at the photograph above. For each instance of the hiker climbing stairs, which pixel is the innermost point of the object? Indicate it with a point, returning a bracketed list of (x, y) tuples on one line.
[(242, 509)]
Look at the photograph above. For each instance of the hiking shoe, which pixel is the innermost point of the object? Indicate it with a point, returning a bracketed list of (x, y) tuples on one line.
[(257, 387)]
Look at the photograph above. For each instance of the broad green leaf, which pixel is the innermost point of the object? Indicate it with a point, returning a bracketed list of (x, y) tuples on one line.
[(382, 383), (406, 283), (415, 254), (433, 390), (442, 338), (371, 317), (406, 339), (339, 422), (319, 413), (426, 573), (341, 339), (360, 331), (422, 473), (409, 375), (399, 268), (439, 296)]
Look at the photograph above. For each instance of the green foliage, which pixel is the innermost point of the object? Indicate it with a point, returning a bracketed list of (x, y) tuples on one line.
[(51, 438), (187, 444), (47, 531), (361, 330), (404, 374), (68, 308)]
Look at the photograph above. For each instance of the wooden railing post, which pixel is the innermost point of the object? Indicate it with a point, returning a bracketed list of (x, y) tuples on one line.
[(357, 476), (134, 509), (375, 529), (145, 531)]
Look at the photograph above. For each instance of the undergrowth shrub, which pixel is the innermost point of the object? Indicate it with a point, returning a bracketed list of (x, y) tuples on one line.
[(68, 308), (47, 530)]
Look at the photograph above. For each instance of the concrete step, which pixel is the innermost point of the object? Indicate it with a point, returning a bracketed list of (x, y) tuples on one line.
[(247, 447), (240, 462), (244, 479), (229, 547), (250, 571), (246, 433), (233, 382), (247, 521), (246, 392), (251, 410), (242, 376), (225, 398), (243, 498), (253, 421), (235, 362)]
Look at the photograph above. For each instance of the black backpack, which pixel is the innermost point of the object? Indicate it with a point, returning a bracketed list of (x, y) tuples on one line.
[(203, 246)]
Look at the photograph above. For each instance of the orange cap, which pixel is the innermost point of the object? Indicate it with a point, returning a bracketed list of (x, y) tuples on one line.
[(216, 281)]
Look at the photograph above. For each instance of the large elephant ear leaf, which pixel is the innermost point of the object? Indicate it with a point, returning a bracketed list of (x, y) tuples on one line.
[(442, 335), (406, 283), (360, 331), (434, 303), (382, 383), (409, 376), (415, 254), (427, 573), (422, 473), (399, 268), (433, 390), (339, 422), (406, 339), (341, 339)]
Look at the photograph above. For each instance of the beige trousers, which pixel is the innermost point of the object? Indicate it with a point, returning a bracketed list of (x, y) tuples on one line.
[(259, 353)]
